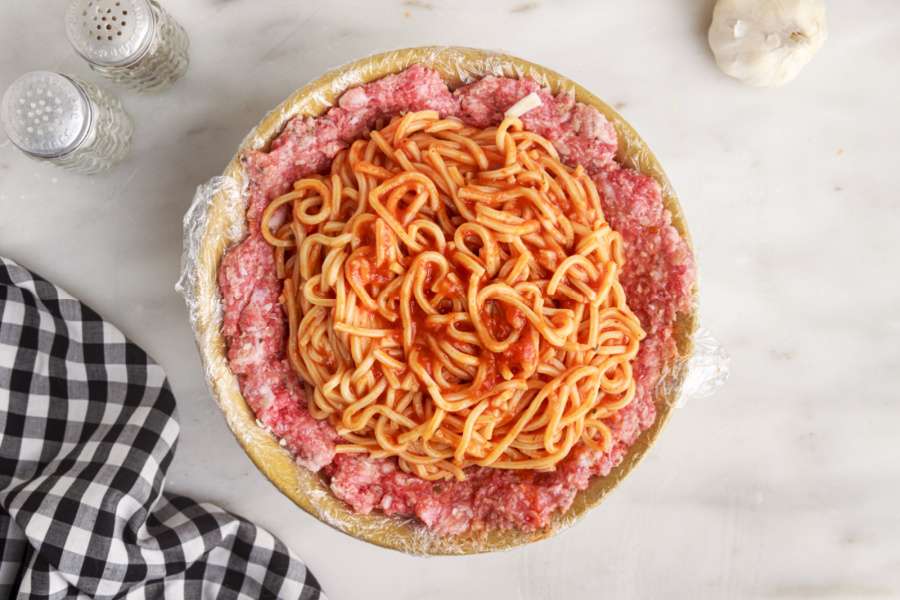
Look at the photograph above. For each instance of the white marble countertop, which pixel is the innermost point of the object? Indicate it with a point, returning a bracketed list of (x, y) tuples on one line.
[(784, 485)]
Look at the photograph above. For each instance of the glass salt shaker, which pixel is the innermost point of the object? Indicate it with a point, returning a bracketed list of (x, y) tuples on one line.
[(133, 42), (67, 122)]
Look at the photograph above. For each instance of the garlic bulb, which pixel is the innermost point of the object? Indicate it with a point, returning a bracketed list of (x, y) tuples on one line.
[(766, 42)]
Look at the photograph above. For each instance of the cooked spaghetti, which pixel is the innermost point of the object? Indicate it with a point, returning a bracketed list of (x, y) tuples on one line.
[(453, 298)]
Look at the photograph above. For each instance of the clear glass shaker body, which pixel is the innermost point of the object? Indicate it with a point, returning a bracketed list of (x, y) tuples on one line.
[(70, 123), (133, 42)]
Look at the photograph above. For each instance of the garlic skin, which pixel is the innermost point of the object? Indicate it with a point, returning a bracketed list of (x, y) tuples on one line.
[(766, 43)]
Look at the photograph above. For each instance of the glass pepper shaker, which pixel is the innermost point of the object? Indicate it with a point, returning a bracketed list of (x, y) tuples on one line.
[(67, 122), (133, 42)]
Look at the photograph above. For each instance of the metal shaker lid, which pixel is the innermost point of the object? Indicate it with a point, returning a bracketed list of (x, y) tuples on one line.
[(45, 114), (110, 32)]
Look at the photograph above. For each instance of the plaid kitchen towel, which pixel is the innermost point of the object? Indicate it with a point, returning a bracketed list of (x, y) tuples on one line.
[(87, 431)]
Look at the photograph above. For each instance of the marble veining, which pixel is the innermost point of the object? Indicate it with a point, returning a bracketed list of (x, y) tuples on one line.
[(783, 485)]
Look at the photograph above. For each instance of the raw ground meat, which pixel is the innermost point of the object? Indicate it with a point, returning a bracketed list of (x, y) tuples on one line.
[(254, 330), (307, 145), (579, 132), (658, 279)]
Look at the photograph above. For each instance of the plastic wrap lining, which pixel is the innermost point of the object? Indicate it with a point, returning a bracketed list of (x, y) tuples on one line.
[(216, 220)]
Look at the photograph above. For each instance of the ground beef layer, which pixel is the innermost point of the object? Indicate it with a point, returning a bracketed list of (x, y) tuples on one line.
[(658, 279)]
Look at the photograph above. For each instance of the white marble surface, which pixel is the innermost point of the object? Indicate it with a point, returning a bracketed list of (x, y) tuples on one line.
[(784, 485)]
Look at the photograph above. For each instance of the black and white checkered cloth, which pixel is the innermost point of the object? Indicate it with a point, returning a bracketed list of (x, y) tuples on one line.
[(87, 432)]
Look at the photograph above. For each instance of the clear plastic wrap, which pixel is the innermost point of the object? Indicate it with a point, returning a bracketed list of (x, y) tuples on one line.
[(216, 220)]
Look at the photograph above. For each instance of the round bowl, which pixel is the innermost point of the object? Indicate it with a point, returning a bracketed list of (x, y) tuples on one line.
[(225, 217)]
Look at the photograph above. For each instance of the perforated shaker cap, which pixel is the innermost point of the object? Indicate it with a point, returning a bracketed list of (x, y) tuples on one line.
[(110, 32), (45, 114)]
